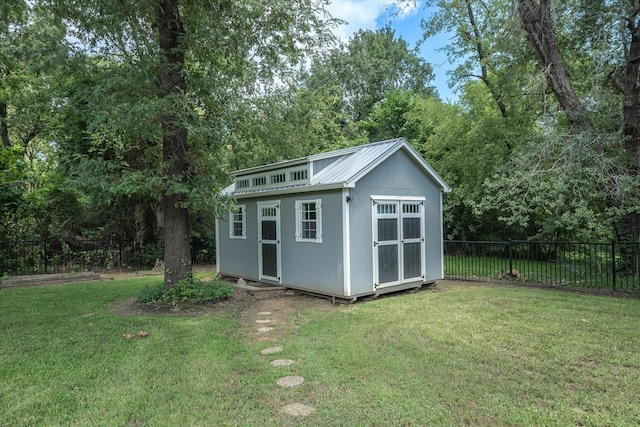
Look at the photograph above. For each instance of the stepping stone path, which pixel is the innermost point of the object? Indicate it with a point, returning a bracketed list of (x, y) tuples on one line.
[(293, 409), (271, 350), (282, 362), (298, 410), (291, 381)]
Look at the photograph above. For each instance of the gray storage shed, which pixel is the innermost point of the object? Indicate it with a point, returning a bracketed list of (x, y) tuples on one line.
[(348, 223)]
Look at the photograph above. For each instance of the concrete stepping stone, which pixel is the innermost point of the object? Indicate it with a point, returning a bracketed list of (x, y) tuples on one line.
[(291, 381), (282, 362), (264, 313), (263, 321), (298, 410), (265, 329), (271, 350)]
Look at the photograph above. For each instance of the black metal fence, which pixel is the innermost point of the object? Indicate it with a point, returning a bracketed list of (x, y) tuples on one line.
[(614, 266), (66, 256)]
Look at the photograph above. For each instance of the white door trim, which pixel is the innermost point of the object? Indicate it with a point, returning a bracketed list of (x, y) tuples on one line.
[(269, 210), (395, 210)]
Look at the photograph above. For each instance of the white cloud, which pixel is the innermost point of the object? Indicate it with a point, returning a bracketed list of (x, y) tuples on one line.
[(362, 14), (407, 8)]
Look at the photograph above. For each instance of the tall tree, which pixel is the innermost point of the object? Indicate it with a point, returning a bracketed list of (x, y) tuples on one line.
[(34, 63), (537, 20), (627, 78), (368, 65), (485, 46), (538, 23), (172, 84), (178, 68)]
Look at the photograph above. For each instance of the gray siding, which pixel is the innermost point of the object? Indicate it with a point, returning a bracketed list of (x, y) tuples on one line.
[(399, 175), (239, 257), (361, 254), (317, 267)]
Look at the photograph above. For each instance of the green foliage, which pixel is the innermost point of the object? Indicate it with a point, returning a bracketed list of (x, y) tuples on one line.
[(388, 117), (84, 120), (465, 144), (561, 187), (370, 64), (152, 252), (189, 290), (114, 153), (151, 294), (12, 185)]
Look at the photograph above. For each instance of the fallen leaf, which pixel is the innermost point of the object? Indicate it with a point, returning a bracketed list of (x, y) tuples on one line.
[(143, 334)]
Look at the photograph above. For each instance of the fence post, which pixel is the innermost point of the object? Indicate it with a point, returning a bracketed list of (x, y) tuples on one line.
[(613, 262), (510, 257)]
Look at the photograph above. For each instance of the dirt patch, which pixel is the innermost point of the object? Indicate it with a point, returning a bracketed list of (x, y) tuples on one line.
[(125, 274), (242, 305), (239, 301), (286, 308)]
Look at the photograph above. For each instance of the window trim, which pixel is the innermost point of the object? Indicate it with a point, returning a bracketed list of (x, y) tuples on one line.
[(232, 221), (318, 221)]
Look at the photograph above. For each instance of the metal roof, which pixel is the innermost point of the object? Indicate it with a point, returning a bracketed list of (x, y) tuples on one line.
[(271, 166), (349, 166)]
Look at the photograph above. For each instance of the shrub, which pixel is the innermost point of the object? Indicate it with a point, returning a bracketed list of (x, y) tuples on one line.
[(151, 294), (188, 290)]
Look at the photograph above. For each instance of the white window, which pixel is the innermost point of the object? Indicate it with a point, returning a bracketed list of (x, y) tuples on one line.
[(238, 223), (309, 220), (261, 180), (278, 178), (242, 183), (299, 175), (386, 208)]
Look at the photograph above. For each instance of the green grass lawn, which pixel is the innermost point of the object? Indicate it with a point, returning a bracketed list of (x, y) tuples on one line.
[(572, 273), (464, 355)]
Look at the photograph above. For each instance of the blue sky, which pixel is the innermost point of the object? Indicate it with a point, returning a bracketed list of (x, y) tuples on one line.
[(373, 14)]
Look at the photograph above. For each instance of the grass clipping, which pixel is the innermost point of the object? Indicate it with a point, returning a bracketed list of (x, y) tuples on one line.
[(141, 334)]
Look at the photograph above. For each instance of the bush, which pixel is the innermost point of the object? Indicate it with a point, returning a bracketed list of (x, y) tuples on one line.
[(188, 290), (151, 294)]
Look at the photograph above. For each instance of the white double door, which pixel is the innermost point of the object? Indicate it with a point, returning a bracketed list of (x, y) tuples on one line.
[(398, 240)]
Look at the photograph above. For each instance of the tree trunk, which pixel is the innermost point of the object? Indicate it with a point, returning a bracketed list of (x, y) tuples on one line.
[(482, 60), (631, 89), (4, 129), (171, 82), (630, 227), (538, 25)]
